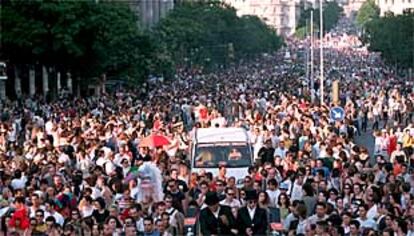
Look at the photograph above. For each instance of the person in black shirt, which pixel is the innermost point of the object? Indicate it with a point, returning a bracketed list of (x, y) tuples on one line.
[(266, 153), (179, 199), (216, 219), (100, 213)]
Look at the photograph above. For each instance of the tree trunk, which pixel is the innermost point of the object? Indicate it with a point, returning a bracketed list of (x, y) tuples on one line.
[(45, 80), (78, 89), (58, 82), (69, 83), (17, 83), (32, 81), (103, 89)]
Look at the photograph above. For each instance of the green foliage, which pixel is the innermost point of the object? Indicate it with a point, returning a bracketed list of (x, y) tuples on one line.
[(198, 32), (368, 11), (84, 37), (393, 37), (331, 14)]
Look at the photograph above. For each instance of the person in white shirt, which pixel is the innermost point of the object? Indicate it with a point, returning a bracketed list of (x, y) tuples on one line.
[(363, 219), (273, 192), (50, 211), (230, 200), (19, 180), (281, 150), (297, 192)]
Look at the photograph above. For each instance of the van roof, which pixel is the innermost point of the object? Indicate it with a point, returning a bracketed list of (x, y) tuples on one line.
[(214, 135)]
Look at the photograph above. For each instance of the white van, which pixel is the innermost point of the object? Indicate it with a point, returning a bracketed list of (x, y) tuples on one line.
[(212, 147)]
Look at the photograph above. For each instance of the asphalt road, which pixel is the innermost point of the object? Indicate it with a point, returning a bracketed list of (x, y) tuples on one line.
[(367, 140)]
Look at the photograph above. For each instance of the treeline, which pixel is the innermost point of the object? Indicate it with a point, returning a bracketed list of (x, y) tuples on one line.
[(212, 33), (391, 35), (331, 14), (95, 39)]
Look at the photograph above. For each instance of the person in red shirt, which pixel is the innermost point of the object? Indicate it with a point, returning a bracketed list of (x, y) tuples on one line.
[(20, 219), (392, 143)]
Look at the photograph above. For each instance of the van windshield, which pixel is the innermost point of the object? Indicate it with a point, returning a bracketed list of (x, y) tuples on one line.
[(229, 154)]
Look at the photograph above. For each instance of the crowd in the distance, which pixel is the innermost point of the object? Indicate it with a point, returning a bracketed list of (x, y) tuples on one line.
[(71, 167)]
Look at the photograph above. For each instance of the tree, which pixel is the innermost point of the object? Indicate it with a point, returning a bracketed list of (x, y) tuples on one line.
[(393, 37), (368, 11), (331, 14), (84, 37), (196, 32)]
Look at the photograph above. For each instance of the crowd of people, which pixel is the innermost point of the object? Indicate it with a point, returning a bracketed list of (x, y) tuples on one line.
[(78, 166)]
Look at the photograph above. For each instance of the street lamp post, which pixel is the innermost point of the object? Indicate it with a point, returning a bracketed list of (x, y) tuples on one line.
[(311, 59), (321, 49)]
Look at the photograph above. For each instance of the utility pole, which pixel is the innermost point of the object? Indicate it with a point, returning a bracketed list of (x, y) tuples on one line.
[(307, 53), (321, 49), (311, 59)]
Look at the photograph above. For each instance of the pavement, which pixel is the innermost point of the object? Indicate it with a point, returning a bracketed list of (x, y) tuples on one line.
[(367, 140)]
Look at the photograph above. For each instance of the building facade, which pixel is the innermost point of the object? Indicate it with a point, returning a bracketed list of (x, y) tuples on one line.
[(282, 15), (397, 7), (351, 7), (151, 11)]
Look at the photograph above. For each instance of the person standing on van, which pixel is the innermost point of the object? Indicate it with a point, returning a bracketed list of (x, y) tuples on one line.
[(216, 219)]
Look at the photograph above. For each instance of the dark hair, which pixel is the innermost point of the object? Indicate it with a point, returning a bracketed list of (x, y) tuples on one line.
[(40, 211), (101, 202), (308, 189), (355, 222), (322, 204), (287, 199), (51, 218), (150, 219), (272, 182), (118, 224), (19, 200), (267, 199)]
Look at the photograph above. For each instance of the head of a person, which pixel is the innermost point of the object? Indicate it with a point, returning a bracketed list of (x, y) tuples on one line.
[(99, 203), (204, 187), (222, 170), (263, 197), (57, 180), (172, 185), (112, 221), (130, 230), (272, 184), (161, 208), (231, 181), (251, 199), (35, 199), (148, 225), (50, 222), (75, 214), (363, 210), (135, 211), (174, 174), (69, 230), (19, 202), (97, 229), (320, 209), (230, 193), (165, 218), (39, 215), (212, 201), (283, 200), (354, 227), (321, 227), (220, 186)]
